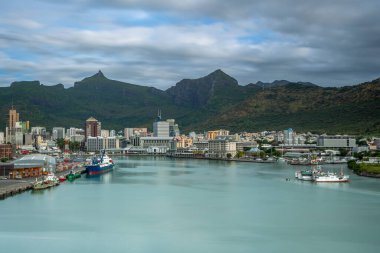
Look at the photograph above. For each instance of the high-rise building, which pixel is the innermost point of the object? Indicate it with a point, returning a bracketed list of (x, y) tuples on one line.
[(14, 117), (289, 136), (160, 128), (58, 133), (93, 127), (173, 128)]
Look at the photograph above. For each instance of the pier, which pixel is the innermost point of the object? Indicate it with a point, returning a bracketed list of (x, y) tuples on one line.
[(11, 187)]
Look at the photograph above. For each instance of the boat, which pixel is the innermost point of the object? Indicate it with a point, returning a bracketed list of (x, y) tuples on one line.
[(62, 178), (100, 165), (73, 175), (49, 181), (330, 177), (304, 175)]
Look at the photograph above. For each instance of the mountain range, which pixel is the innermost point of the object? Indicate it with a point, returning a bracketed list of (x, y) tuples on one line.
[(210, 102)]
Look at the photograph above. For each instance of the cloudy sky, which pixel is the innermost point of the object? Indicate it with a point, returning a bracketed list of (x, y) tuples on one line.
[(158, 43)]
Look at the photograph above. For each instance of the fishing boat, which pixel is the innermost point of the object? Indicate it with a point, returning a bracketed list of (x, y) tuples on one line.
[(49, 181), (62, 178), (100, 165), (330, 177)]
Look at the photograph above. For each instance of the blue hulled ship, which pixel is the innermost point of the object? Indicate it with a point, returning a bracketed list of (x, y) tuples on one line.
[(100, 165)]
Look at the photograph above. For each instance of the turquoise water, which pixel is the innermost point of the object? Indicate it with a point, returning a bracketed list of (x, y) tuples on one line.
[(152, 204)]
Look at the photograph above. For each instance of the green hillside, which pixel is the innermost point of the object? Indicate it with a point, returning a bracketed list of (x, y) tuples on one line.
[(213, 101)]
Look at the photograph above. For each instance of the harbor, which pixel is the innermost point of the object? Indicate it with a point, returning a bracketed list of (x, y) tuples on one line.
[(181, 205)]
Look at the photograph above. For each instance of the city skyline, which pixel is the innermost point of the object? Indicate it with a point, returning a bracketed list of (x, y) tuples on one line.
[(158, 44)]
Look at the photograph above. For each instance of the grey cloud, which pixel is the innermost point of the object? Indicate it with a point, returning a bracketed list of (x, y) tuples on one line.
[(325, 42)]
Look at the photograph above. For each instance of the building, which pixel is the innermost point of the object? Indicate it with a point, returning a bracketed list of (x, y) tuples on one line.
[(201, 145), (168, 142), (221, 147), (33, 166), (6, 151), (336, 141), (211, 135), (184, 141), (74, 131), (244, 146), (289, 136), (94, 143), (129, 132), (13, 117), (5, 169), (2, 138), (93, 127), (39, 131), (161, 129), (173, 128), (58, 133), (105, 133), (376, 141)]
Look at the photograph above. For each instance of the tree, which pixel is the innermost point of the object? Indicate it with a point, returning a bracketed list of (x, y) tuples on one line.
[(229, 155), (74, 145), (239, 154), (60, 143)]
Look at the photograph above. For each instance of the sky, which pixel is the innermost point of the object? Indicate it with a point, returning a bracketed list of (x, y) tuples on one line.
[(158, 43)]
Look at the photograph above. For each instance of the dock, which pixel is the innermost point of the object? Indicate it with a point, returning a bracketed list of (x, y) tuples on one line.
[(11, 187)]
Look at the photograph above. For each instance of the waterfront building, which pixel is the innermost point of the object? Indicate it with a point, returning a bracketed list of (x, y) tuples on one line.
[(161, 129), (5, 169), (336, 141), (247, 145), (33, 166), (211, 135), (184, 142), (135, 141), (94, 143), (169, 142), (221, 146), (92, 127), (58, 133), (201, 145)]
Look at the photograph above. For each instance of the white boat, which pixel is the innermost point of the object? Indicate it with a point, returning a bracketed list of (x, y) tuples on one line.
[(330, 177)]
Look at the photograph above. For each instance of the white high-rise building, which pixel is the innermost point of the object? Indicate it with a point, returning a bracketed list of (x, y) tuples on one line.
[(289, 136), (161, 129), (2, 138), (58, 133)]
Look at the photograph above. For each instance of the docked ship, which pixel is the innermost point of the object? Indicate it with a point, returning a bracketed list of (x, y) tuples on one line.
[(330, 177), (100, 165), (49, 181), (305, 175)]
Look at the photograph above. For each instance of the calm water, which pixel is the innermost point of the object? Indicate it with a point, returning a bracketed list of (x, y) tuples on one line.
[(162, 205)]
